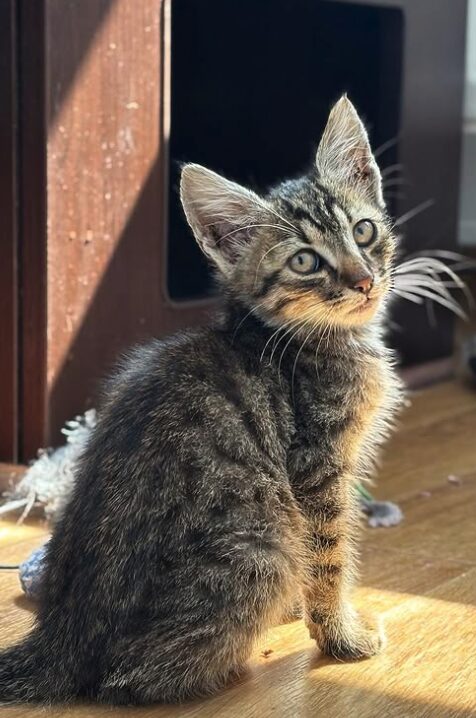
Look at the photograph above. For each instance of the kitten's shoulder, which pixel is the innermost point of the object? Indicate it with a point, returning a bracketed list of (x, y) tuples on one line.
[(160, 362)]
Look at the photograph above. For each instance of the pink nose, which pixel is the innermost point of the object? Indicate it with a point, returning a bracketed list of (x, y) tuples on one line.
[(364, 284)]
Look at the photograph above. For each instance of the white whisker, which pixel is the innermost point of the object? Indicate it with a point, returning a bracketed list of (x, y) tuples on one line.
[(431, 267), (413, 212), (407, 295), (419, 280), (391, 168), (307, 318), (283, 219), (421, 292), (445, 253), (424, 278), (308, 315), (279, 329), (385, 146), (393, 181)]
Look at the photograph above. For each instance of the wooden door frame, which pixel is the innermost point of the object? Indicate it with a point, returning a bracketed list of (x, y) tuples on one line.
[(32, 147), (23, 229)]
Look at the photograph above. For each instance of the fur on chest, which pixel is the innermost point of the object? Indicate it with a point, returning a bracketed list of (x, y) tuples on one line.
[(346, 408)]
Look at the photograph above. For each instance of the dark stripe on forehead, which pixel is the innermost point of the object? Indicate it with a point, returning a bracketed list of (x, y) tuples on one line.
[(330, 201), (300, 214), (326, 221), (318, 206), (322, 203)]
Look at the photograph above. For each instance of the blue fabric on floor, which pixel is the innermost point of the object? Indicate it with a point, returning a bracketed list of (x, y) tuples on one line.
[(31, 572)]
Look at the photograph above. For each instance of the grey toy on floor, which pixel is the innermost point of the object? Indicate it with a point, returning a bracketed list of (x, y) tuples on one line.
[(49, 481), (381, 513)]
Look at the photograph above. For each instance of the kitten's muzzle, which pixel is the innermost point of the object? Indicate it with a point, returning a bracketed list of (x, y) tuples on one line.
[(362, 283)]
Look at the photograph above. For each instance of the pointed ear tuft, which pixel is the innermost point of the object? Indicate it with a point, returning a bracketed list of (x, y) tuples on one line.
[(220, 213), (344, 154)]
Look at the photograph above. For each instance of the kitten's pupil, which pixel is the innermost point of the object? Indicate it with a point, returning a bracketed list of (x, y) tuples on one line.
[(364, 232), (305, 262)]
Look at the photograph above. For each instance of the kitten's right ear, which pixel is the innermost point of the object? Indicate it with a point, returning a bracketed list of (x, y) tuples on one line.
[(220, 213), (344, 154)]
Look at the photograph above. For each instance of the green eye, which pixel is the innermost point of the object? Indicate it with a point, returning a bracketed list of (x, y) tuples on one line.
[(305, 262), (364, 232)]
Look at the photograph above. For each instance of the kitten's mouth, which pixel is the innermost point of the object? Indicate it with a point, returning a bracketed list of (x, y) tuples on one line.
[(368, 304)]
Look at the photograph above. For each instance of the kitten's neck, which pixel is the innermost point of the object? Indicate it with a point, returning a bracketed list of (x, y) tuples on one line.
[(246, 328)]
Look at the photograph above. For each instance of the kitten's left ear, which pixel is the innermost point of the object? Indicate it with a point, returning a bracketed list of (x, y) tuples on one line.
[(344, 154), (220, 213)]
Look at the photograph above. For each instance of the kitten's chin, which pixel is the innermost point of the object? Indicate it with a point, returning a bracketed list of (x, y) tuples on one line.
[(362, 313)]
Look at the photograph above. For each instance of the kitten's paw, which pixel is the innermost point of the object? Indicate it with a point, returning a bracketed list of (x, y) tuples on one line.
[(352, 639), (363, 639)]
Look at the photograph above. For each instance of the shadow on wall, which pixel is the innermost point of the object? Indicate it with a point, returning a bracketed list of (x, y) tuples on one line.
[(80, 31)]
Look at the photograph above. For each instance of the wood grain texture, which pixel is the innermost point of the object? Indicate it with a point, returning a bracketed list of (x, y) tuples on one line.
[(107, 144), (103, 144), (420, 576)]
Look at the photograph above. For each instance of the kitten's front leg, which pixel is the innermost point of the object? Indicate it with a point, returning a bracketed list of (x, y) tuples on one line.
[(338, 628)]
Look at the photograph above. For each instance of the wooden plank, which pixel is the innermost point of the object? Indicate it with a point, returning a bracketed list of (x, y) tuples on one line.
[(103, 141), (17, 541), (32, 227), (106, 161), (393, 575), (422, 458), (440, 525), (446, 400)]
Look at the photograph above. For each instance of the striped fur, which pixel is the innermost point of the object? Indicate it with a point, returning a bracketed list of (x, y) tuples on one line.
[(218, 486)]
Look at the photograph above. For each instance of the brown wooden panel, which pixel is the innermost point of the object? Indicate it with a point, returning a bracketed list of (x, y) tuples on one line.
[(32, 227), (8, 236), (105, 193), (102, 146)]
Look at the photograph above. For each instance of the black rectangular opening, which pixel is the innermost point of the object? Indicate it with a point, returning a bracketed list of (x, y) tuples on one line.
[(251, 86)]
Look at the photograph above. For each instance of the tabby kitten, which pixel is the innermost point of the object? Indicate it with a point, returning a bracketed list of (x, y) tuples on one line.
[(218, 487)]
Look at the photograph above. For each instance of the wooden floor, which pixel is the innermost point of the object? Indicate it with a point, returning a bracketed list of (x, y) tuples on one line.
[(420, 576)]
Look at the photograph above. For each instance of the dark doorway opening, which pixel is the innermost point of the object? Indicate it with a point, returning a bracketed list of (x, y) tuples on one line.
[(252, 84)]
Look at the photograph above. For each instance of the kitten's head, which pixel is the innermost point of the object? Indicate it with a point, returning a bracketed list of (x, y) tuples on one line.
[(316, 251)]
